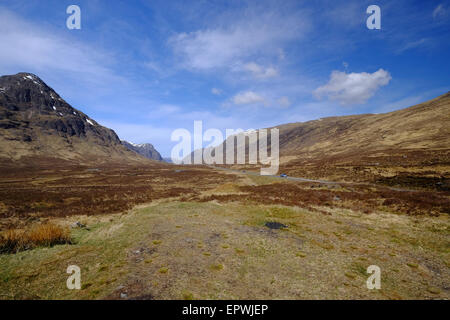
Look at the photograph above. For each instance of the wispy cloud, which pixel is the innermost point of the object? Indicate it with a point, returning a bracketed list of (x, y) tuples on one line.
[(440, 11), (284, 102), (259, 71), (216, 91), (413, 44), (224, 46), (248, 97), (30, 47)]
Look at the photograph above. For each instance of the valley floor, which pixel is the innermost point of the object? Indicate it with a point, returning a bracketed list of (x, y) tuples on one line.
[(210, 240)]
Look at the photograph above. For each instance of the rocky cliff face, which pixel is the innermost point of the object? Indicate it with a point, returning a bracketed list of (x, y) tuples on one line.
[(144, 149), (36, 121)]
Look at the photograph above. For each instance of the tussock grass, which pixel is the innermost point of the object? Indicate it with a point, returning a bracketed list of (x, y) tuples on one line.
[(42, 235)]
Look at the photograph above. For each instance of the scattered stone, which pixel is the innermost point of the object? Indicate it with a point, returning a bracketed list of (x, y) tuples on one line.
[(123, 296), (78, 224), (337, 198)]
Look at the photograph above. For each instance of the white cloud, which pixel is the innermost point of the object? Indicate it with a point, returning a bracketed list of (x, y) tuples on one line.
[(259, 71), (223, 46), (216, 91), (353, 88), (247, 97)]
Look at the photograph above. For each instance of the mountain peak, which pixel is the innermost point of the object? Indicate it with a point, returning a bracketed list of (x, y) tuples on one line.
[(144, 149), (35, 120)]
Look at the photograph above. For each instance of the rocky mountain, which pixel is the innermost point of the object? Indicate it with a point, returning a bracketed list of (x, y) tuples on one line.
[(36, 122), (144, 149)]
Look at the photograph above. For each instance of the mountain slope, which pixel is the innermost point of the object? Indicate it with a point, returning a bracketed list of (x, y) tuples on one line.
[(144, 149), (409, 145), (424, 126), (36, 122)]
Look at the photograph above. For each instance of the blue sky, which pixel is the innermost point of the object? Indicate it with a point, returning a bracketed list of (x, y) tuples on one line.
[(145, 68)]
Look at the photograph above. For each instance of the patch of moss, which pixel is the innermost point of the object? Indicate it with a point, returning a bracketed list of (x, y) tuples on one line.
[(163, 270), (412, 265), (434, 290), (217, 267)]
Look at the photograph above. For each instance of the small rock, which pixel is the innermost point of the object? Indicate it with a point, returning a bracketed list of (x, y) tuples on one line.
[(123, 295), (337, 198), (78, 224), (275, 225)]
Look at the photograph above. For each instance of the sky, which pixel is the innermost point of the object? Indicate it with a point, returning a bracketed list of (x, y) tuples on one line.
[(147, 67)]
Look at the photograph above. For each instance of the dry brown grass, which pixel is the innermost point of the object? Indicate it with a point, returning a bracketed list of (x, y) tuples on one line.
[(366, 199), (29, 194), (42, 235)]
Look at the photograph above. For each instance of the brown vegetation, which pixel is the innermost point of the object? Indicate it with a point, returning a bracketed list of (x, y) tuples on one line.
[(363, 198), (47, 234), (28, 194)]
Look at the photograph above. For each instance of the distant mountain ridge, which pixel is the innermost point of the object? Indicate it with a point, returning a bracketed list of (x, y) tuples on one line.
[(36, 122), (414, 136), (144, 149)]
